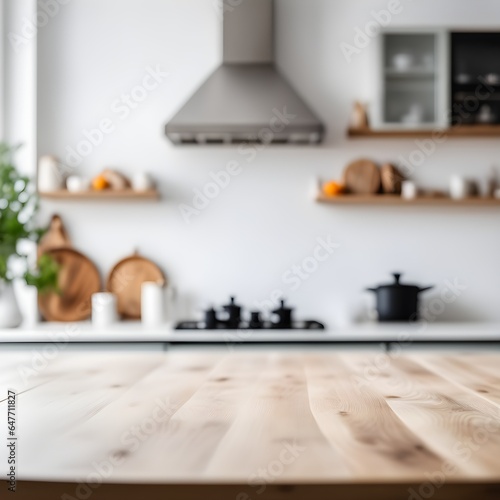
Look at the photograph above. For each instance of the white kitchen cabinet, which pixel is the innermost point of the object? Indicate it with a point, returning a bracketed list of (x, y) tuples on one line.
[(413, 76)]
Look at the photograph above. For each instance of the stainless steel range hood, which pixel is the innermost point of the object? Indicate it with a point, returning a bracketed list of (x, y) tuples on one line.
[(246, 99)]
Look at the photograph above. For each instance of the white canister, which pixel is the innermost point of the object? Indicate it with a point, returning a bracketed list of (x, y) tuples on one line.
[(409, 190), (153, 302), (29, 305), (77, 184), (142, 182), (50, 174), (459, 187), (104, 309)]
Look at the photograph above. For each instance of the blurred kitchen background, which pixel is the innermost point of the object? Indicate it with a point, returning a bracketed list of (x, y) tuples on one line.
[(266, 220)]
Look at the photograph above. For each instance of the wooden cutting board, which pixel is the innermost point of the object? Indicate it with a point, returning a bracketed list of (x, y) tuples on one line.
[(391, 179), (125, 281), (55, 237), (362, 177), (78, 280)]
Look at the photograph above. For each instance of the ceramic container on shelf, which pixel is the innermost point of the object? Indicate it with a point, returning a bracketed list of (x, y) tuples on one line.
[(142, 182), (460, 187), (10, 314), (104, 309), (409, 190), (153, 303), (77, 184), (50, 175)]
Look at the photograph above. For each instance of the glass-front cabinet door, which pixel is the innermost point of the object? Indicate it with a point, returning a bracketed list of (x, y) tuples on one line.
[(413, 80)]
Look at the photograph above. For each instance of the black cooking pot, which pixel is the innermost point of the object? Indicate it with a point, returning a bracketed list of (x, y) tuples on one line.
[(397, 302)]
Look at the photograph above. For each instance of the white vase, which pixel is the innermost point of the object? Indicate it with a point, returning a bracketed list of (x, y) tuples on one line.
[(10, 315)]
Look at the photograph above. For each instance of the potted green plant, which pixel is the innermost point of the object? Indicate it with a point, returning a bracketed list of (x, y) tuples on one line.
[(18, 209)]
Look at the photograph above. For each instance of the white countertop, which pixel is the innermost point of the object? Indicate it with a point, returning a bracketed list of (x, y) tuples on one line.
[(136, 332)]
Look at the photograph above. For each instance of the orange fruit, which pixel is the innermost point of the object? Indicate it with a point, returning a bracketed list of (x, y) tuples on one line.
[(332, 188), (100, 183)]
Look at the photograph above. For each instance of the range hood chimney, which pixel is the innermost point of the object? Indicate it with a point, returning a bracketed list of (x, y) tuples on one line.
[(246, 100)]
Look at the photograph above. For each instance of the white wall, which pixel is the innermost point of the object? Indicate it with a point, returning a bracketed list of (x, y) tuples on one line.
[(265, 221)]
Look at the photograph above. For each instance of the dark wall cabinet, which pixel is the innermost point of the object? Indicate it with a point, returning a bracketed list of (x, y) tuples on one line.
[(475, 78)]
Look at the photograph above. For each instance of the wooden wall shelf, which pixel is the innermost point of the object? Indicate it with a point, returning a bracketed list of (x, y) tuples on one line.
[(457, 131), (397, 200), (106, 194)]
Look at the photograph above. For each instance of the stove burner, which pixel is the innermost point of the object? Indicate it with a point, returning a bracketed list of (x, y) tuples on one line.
[(232, 320)]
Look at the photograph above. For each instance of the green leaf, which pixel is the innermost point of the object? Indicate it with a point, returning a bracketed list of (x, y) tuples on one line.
[(18, 209)]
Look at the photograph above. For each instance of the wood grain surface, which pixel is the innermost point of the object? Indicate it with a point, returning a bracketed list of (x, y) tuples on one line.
[(259, 424)]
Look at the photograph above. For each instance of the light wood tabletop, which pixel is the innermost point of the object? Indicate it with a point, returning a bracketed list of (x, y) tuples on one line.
[(255, 425)]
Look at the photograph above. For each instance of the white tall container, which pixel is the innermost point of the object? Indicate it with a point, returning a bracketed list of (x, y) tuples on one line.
[(153, 303), (50, 175), (104, 309)]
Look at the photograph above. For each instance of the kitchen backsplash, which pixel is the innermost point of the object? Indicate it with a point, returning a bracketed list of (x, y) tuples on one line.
[(244, 221)]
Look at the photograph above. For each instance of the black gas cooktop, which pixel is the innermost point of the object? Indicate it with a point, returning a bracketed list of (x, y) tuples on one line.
[(231, 318)]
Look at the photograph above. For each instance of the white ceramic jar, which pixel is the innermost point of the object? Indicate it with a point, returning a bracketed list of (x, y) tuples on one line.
[(153, 304), (142, 182), (409, 190), (50, 174), (459, 187), (77, 184), (104, 309)]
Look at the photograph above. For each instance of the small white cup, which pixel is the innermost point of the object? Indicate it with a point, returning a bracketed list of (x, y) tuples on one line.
[(409, 190), (142, 182), (77, 184), (104, 309)]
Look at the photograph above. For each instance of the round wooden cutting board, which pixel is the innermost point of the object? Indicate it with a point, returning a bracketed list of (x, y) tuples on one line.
[(78, 280), (362, 177), (126, 279)]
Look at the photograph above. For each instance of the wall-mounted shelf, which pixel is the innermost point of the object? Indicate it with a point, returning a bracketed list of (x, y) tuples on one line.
[(384, 199), (106, 194), (458, 131)]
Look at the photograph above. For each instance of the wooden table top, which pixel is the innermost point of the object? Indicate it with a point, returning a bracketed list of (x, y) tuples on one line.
[(260, 421)]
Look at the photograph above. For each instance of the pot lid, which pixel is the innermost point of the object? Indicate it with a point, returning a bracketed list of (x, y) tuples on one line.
[(398, 285)]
